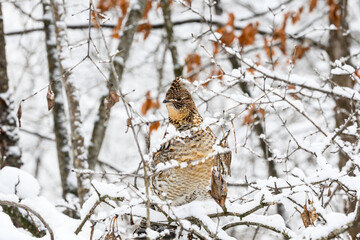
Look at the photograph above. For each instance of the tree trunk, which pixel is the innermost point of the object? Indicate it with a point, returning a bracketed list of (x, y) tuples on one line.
[(10, 152), (124, 47), (339, 47), (98, 135), (171, 44), (60, 125), (77, 138)]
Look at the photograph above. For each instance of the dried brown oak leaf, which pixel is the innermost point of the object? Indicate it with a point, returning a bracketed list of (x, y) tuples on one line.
[(148, 104), (280, 34), (309, 216), (268, 49), (248, 33), (295, 16), (154, 126), (218, 188), (299, 52), (334, 13), (293, 95), (227, 33), (50, 97), (109, 102), (145, 28), (193, 62), (225, 158), (312, 5), (19, 114)]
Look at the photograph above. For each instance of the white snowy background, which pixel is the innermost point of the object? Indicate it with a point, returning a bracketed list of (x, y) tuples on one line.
[(297, 148)]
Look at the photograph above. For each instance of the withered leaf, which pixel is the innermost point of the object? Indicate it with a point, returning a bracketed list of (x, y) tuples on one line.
[(145, 28), (109, 102), (124, 5), (313, 4), (154, 126), (329, 192), (262, 113), (268, 49), (305, 216), (50, 97), (248, 33), (19, 114), (148, 104), (334, 13), (128, 122), (147, 9), (357, 73), (117, 28), (114, 97), (280, 34), (193, 62), (218, 188), (249, 117), (299, 52), (309, 216), (225, 158), (227, 33), (293, 95), (295, 17), (313, 215)]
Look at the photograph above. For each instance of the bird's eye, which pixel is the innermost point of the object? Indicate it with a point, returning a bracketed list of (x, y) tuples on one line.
[(178, 99)]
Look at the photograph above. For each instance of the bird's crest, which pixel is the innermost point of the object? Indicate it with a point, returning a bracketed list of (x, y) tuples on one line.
[(181, 106)]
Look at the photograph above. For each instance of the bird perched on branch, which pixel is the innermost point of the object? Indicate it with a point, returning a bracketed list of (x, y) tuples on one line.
[(187, 167)]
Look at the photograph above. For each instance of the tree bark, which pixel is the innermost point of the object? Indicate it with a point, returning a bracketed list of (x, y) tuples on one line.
[(10, 152), (339, 47), (125, 43), (98, 135), (171, 44), (60, 125), (258, 127), (77, 138), (120, 59)]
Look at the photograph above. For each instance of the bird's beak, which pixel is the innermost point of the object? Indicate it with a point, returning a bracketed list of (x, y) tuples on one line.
[(166, 101)]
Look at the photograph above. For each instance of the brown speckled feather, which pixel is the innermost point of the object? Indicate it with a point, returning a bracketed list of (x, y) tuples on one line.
[(191, 180)]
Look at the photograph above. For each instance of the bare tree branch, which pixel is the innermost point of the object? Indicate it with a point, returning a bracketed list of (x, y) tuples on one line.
[(20, 205)]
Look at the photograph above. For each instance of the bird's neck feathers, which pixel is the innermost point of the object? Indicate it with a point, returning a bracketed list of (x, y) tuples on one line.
[(192, 119)]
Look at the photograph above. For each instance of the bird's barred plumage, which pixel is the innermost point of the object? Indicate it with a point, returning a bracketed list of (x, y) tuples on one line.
[(190, 180)]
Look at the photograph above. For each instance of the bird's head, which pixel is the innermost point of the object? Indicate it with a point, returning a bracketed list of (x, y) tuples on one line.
[(180, 105)]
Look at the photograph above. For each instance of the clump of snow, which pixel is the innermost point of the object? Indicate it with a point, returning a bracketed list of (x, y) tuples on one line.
[(19, 182), (9, 231), (343, 70), (236, 73)]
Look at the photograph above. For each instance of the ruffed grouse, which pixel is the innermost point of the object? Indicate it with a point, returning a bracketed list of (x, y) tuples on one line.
[(193, 152)]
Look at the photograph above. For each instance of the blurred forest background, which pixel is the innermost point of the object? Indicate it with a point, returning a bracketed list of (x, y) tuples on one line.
[(81, 90)]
